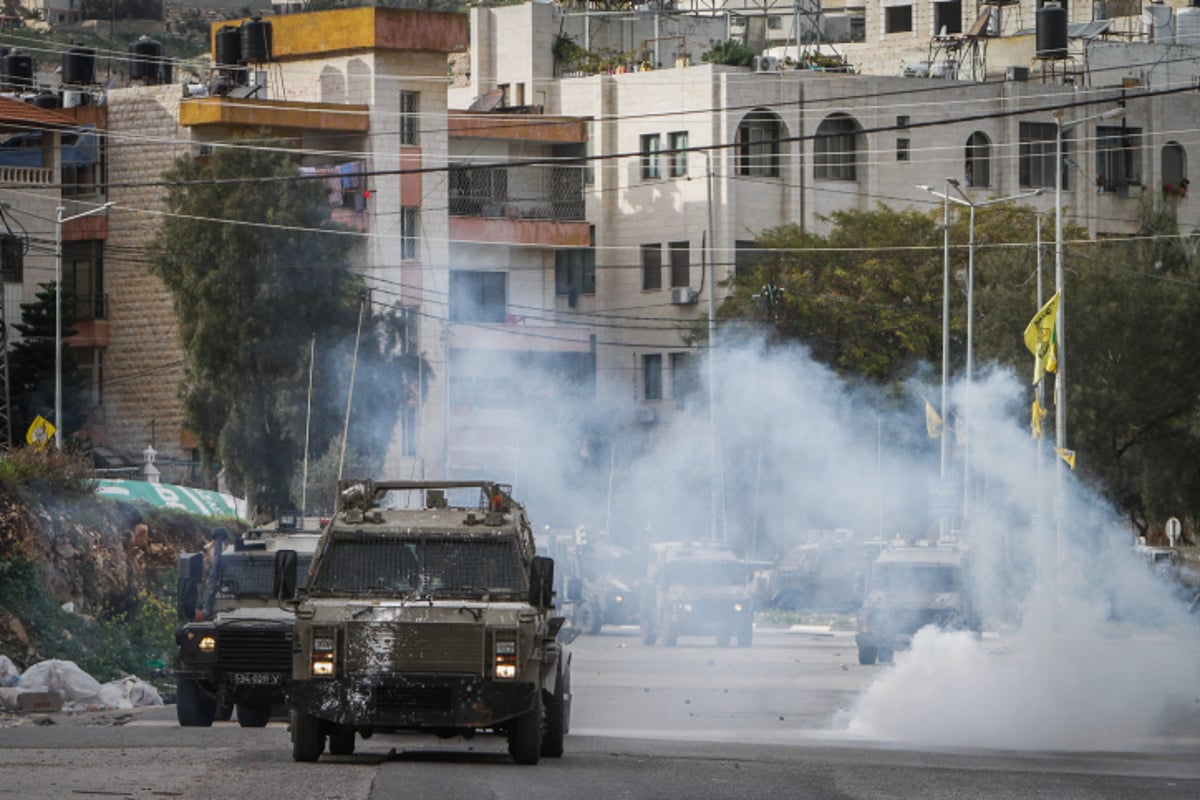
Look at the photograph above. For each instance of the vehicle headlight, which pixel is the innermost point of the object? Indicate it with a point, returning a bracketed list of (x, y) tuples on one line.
[(737, 607), (324, 657), (506, 660), (618, 599), (207, 644), (686, 608)]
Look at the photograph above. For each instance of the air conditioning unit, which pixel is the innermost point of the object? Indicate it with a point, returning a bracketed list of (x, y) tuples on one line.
[(766, 64), (683, 296)]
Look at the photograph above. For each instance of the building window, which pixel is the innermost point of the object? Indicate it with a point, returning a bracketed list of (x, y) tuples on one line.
[(651, 266), (774, 23), (977, 171), (747, 257), (836, 148), (90, 362), (652, 377), (83, 278), (903, 121), (758, 138), (678, 140), (683, 376), (478, 296), (409, 117), (947, 17), (902, 148), (1118, 162), (651, 168), (897, 19), (410, 220), (681, 267), (575, 272), (589, 166), (12, 258), (1036, 155), (1174, 170)]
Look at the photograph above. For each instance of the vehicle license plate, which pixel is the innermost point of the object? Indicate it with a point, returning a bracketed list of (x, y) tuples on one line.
[(257, 678)]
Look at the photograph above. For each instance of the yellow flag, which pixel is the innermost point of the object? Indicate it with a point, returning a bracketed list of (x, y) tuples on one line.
[(933, 422), (40, 432), (1041, 339), (1038, 414), (1066, 455)]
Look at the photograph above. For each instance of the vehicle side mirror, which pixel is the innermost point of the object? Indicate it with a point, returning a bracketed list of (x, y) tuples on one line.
[(574, 590), (541, 582), (286, 564), (191, 575)]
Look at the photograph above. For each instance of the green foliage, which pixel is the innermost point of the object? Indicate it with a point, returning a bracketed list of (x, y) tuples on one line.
[(252, 299), (731, 53), (865, 299), (31, 366), (26, 472), (130, 635)]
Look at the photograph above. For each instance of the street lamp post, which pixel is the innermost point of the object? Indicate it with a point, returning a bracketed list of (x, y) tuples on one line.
[(716, 485), (59, 219), (1060, 330), (963, 200)]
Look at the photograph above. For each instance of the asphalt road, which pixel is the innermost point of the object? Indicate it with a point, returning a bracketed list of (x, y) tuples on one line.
[(695, 722)]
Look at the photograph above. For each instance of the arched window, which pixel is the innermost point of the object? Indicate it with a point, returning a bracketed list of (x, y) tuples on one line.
[(977, 170), (758, 138), (836, 148), (1174, 170)]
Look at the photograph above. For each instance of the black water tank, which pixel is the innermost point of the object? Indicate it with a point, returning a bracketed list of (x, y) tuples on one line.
[(256, 41), (79, 66), (45, 100), (228, 44), (145, 59), (1051, 31), (18, 71)]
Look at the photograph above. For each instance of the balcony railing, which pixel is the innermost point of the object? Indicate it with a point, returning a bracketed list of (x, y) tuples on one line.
[(528, 192)]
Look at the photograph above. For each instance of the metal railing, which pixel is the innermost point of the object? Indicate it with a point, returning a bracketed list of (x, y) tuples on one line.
[(531, 192)]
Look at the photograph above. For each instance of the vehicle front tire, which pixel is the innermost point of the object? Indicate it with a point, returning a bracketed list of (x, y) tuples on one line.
[(649, 636), (192, 707), (341, 741), (307, 739), (253, 715), (589, 619), (866, 655), (745, 636), (525, 734)]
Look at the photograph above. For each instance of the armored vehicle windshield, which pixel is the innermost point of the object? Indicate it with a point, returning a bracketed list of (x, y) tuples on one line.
[(915, 579), (705, 572)]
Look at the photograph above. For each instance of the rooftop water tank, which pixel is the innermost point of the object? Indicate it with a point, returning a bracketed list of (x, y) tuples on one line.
[(1187, 25), (79, 66), (18, 71), (1051, 31), (45, 100), (1158, 23), (256, 41), (228, 45), (145, 59)]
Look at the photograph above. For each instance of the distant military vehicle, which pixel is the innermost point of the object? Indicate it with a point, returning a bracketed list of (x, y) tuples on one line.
[(827, 573), (696, 589), (612, 576), (234, 642), (909, 588), (436, 616)]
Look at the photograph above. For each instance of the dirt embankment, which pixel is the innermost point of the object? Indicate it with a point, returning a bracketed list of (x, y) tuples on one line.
[(86, 551)]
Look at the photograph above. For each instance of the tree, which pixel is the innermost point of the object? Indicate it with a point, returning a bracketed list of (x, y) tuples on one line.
[(865, 299), (31, 366), (256, 269)]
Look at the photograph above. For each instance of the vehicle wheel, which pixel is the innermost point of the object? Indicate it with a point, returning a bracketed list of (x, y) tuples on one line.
[(341, 741), (525, 734), (722, 640), (588, 619), (670, 635), (193, 708), (555, 728), (884, 656), (307, 739), (649, 636), (253, 715), (866, 655), (745, 637)]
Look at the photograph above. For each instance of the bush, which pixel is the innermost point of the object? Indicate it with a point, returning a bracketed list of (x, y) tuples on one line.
[(27, 472), (731, 53)]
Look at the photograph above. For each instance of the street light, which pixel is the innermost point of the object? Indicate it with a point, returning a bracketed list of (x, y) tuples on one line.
[(1060, 332), (59, 219), (715, 500), (963, 200)]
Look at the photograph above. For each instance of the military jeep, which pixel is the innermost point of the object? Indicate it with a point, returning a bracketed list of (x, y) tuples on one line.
[(427, 609), (696, 589)]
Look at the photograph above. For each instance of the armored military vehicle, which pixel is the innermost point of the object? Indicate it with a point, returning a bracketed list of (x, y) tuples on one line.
[(909, 588), (234, 641), (696, 589), (434, 616)]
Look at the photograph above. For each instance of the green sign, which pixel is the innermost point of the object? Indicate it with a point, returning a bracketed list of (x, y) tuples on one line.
[(184, 498)]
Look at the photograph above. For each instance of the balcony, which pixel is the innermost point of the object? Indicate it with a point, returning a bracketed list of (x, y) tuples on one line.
[(529, 192)]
